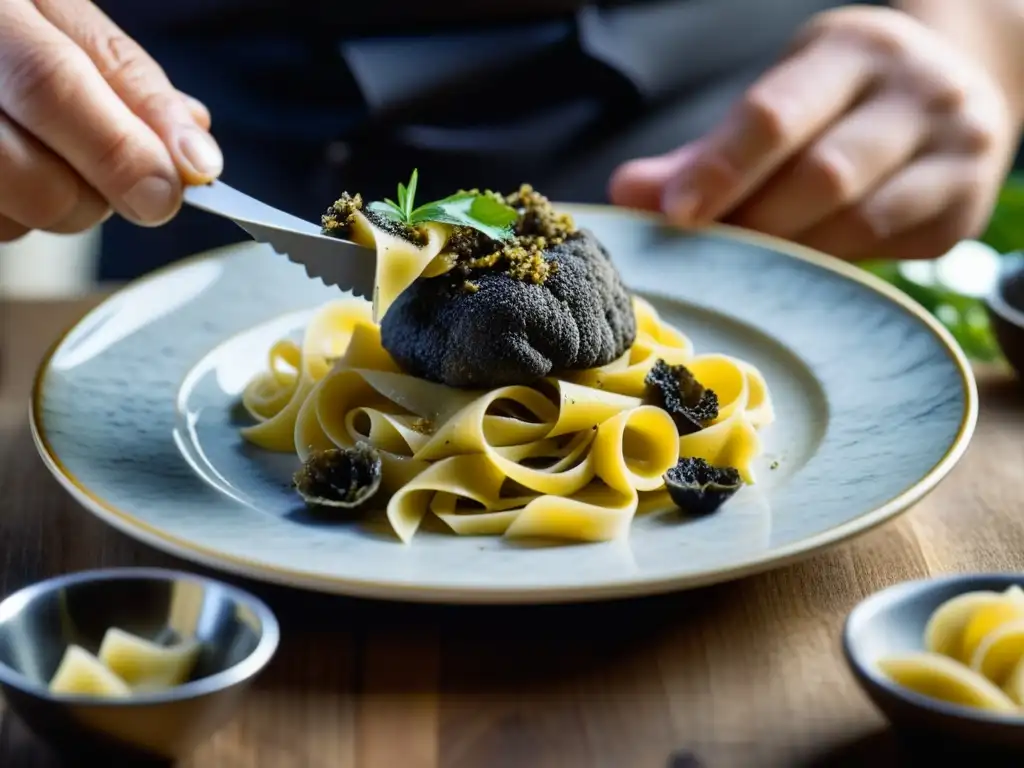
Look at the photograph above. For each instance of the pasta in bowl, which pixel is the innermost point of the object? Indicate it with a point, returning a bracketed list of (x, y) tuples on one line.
[(504, 381)]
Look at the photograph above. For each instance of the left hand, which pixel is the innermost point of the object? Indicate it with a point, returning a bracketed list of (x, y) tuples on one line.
[(874, 138)]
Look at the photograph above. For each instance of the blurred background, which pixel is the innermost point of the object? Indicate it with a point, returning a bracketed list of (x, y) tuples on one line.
[(315, 97), (337, 101)]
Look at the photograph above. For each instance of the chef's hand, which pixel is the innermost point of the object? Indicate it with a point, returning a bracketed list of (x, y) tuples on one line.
[(89, 123), (873, 137)]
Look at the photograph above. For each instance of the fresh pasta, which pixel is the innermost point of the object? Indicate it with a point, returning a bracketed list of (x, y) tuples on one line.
[(974, 653), (562, 458), (399, 261), (569, 455), (125, 665)]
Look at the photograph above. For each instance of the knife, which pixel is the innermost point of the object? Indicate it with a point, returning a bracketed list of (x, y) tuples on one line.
[(338, 262)]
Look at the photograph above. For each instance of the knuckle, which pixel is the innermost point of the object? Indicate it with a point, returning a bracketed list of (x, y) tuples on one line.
[(38, 190), (131, 71), (46, 210), (127, 162), (885, 41), (942, 94), (951, 94), (872, 225), (12, 147), (121, 163), (90, 211), (883, 32), (118, 57), (759, 110), (859, 20), (977, 136), (45, 197), (158, 106), (879, 37), (832, 177), (39, 81), (942, 232)]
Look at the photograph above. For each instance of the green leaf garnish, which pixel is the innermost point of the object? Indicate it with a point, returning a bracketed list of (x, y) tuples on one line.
[(410, 193), (481, 212)]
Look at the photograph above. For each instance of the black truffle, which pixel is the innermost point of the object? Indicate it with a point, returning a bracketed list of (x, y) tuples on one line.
[(512, 331), (675, 389), (700, 488), (339, 477)]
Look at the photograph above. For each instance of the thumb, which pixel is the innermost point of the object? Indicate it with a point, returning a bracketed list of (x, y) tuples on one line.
[(642, 183), (181, 122)]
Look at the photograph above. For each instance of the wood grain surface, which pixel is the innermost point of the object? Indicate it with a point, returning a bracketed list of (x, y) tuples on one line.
[(742, 674)]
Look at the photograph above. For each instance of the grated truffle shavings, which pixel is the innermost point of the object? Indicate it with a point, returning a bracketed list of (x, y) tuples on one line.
[(538, 229)]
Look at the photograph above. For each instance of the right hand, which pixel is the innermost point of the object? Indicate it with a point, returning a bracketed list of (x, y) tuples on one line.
[(90, 124)]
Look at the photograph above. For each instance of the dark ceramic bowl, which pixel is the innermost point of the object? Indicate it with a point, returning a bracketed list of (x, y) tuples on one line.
[(893, 621), (1006, 313), (238, 635)]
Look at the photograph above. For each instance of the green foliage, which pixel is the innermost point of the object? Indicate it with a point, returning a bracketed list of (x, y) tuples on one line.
[(483, 212), (964, 315)]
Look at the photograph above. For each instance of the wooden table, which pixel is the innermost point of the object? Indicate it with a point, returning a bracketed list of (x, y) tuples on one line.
[(743, 674)]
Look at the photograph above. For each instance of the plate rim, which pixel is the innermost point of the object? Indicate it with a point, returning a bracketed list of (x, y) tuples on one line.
[(189, 551)]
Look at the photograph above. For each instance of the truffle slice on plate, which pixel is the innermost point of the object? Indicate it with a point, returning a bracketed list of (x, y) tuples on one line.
[(344, 478), (700, 488), (675, 389)]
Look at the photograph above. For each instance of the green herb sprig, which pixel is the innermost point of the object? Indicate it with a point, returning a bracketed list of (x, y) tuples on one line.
[(481, 212)]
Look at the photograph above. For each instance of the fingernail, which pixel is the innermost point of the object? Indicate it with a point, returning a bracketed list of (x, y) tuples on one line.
[(151, 200), (201, 152), (681, 207)]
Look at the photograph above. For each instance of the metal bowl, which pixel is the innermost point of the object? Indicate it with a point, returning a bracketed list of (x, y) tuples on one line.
[(893, 621), (238, 635)]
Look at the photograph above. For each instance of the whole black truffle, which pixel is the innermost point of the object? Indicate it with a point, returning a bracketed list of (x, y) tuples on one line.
[(701, 488), (509, 331), (339, 477)]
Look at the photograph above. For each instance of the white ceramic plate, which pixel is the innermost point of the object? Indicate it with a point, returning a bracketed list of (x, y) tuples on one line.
[(135, 413)]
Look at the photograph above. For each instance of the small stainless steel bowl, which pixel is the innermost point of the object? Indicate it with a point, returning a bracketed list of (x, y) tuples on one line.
[(1005, 307), (238, 632), (893, 621)]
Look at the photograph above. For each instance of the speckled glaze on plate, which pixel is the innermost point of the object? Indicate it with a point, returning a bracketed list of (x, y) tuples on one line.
[(135, 412)]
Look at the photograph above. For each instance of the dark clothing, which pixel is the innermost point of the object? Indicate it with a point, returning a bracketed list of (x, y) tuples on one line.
[(306, 105)]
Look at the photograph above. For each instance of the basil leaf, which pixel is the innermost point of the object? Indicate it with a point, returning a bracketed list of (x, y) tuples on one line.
[(459, 212), (484, 213), (466, 209), (493, 212), (457, 197)]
